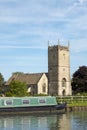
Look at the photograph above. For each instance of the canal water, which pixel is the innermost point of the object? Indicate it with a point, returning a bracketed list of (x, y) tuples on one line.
[(67, 121)]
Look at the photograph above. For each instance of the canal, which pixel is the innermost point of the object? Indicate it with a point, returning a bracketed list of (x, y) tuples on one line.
[(67, 121)]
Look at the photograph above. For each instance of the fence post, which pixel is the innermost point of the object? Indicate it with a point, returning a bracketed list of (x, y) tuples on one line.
[(82, 99), (72, 99)]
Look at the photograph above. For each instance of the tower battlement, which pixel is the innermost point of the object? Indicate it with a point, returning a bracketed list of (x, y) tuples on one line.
[(61, 47)]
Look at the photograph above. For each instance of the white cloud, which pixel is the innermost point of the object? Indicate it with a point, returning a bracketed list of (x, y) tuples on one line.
[(82, 1)]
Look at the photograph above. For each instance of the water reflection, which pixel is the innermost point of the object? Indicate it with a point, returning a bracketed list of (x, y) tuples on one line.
[(68, 121), (79, 120)]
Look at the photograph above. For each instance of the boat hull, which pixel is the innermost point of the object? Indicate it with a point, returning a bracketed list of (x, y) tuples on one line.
[(32, 110), (25, 105)]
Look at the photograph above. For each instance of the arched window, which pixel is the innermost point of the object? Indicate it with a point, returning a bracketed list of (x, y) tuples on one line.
[(63, 92), (44, 87), (63, 82)]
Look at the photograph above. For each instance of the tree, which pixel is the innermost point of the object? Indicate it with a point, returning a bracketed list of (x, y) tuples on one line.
[(18, 73), (1, 83), (79, 80), (17, 89)]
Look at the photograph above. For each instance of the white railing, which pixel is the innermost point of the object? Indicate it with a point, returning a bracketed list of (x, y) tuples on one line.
[(72, 99)]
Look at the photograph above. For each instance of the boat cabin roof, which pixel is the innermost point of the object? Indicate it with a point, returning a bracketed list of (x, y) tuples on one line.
[(27, 101)]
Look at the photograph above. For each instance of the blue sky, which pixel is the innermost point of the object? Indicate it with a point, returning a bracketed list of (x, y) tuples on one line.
[(27, 25)]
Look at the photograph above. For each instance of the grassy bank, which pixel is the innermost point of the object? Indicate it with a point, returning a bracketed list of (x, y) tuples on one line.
[(77, 104), (73, 100)]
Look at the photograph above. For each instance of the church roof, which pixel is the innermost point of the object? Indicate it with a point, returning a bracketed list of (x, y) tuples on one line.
[(27, 78)]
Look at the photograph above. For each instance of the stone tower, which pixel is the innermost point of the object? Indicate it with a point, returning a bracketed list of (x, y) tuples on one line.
[(59, 70)]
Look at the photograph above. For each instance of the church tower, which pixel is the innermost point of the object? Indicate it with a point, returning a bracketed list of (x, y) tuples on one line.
[(59, 70)]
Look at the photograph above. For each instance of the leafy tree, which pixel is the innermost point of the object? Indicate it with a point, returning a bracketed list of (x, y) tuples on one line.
[(1, 83), (79, 80), (18, 73), (17, 89)]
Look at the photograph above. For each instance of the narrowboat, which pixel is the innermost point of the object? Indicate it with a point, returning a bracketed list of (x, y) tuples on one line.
[(26, 105)]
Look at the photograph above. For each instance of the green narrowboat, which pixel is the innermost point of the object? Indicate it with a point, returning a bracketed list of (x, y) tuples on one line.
[(25, 105)]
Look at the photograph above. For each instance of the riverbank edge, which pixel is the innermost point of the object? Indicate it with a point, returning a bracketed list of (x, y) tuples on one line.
[(76, 108)]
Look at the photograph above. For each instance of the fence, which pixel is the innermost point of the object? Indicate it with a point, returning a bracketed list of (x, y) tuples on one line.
[(72, 99)]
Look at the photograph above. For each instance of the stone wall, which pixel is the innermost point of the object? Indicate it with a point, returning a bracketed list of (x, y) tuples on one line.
[(59, 70)]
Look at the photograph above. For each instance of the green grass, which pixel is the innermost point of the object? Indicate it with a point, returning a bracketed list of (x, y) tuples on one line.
[(74, 100), (77, 104)]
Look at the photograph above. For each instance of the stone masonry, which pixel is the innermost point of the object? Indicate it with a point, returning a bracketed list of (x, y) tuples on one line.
[(59, 70)]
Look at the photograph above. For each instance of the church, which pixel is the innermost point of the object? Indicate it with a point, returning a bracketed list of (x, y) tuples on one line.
[(56, 81)]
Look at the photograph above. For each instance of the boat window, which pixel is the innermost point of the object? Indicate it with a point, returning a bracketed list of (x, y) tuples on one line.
[(8, 102), (42, 101), (25, 101)]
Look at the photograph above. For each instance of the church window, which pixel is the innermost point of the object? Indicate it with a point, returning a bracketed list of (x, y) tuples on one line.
[(63, 82), (64, 56), (63, 69), (44, 87), (50, 68), (63, 93)]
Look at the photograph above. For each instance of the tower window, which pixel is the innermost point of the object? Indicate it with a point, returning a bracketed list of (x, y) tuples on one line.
[(50, 68), (63, 69), (63, 82), (64, 56)]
